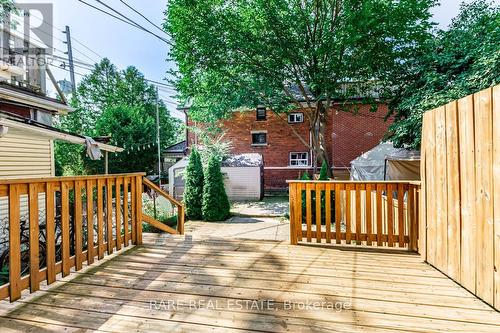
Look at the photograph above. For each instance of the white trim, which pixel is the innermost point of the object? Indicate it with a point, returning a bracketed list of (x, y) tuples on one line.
[(289, 168), (295, 114), (56, 135), (258, 131), (299, 159)]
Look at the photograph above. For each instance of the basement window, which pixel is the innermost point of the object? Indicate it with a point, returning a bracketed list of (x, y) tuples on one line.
[(261, 113), (300, 159), (296, 117), (259, 138)]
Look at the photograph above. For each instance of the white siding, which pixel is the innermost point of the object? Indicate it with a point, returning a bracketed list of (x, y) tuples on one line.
[(24, 155), (242, 183)]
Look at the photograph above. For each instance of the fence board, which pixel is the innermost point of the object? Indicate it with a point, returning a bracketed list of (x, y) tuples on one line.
[(338, 195), (50, 230), (34, 236), (14, 243), (309, 188), (466, 196), (100, 221), (118, 214), (328, 212), (65, 236), (318, 192), (369, 214), (126, 231), (484, 192), (109, 215), (298, 197), (496, 194), (78, 217), (90, 222), (453, 190)]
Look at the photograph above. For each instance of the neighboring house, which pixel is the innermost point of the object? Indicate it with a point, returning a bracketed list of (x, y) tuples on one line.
[(284, 155), (172, 154), (26, 117)]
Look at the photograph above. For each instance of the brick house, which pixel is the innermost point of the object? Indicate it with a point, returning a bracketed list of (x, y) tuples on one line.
[(285, 156)]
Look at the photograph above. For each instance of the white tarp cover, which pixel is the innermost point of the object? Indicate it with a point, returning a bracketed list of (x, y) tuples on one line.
[(402, 164)]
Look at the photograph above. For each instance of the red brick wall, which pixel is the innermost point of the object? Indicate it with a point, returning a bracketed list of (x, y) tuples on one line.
[(348, 136)]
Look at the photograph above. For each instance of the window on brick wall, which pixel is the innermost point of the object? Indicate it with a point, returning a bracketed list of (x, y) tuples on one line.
[(261, 113), (296, 117), (299, 159), (259, 138)]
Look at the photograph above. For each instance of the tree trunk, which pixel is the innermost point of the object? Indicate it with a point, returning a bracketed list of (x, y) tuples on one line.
[(319, 143)]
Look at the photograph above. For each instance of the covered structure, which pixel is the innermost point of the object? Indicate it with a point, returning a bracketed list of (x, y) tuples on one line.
[(386, 162), (243, 177)]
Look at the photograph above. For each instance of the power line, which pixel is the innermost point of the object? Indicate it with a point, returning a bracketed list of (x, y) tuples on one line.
[(144, 17), (126, 20)]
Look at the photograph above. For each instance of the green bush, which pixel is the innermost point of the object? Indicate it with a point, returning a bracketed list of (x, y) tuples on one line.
[(171, 221), (215, 202), (323, 174), (193, 193)]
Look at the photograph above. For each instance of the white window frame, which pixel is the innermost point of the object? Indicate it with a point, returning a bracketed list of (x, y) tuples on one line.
[(259, 132), (295, 115), (300, 162)]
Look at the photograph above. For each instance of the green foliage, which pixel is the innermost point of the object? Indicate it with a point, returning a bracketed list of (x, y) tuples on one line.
[(305, 176), (212, 143), (323, 174), (121, 104), (239, 54), (215, 202), (454, 63), (193, 192)]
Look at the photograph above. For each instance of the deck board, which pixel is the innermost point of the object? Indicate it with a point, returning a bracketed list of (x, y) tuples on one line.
[(383, 291)]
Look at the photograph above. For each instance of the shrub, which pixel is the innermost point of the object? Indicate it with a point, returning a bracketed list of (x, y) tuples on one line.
[(323, 174), (193, 193), (215, 202)]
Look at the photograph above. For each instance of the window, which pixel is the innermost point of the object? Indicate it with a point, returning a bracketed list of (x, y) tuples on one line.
[(299, 159), (259, 138), (296, 117), (261, 113)]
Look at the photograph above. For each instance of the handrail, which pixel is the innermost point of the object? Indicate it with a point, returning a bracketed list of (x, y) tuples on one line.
[(110, 204), (178, 204)]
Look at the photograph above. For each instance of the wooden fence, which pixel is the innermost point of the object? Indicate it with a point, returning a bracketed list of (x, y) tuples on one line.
[(461, 192), (360, 213), (72, 220)]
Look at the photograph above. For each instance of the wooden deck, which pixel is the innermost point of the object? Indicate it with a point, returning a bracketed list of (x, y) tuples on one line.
[(206, 285)]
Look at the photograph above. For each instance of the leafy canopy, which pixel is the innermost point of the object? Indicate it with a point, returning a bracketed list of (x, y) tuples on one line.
[(241, 53), (454, 63), (120, 104)]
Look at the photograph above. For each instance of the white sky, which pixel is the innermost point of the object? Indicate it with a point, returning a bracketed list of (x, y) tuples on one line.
[(126, 45)]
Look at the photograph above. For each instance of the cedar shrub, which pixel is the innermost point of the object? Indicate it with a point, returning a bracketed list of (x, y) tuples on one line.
[(215, 202)]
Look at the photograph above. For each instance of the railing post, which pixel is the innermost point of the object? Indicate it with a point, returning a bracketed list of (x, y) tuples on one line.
[(180, 219), (138, 224), (292, 210)]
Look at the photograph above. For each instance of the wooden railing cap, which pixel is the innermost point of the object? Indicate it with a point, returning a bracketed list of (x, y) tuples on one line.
[(67, 178), (410, 182)]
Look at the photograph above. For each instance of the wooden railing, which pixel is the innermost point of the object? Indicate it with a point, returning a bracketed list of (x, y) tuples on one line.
[(180, 210), (353, 212), (80, 218), (57, 224)]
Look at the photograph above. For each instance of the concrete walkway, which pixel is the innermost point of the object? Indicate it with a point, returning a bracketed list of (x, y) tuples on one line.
[(264, 228), (268, 207)]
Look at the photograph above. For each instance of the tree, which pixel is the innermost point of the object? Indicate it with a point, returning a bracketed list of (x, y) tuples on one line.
[(454, 63), (215, 202), (286, 54), (193, 192), (323, 174), (120, 104)]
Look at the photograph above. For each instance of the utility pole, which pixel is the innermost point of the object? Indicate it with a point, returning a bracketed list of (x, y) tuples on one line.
[(158, 137), (70, 60)]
